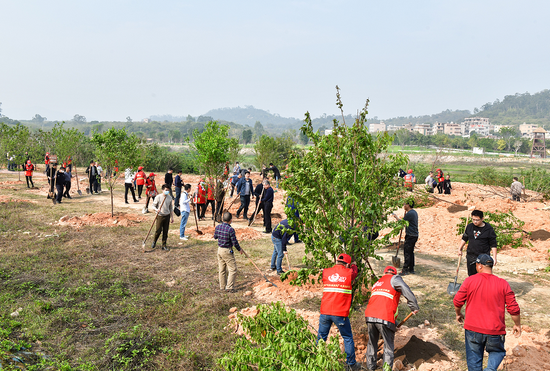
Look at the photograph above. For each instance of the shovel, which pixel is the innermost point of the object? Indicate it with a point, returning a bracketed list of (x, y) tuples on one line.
[(245, 254), (395, 261), (152, 224), (199, 232), (453, 287), (77, 184), (405, 320)]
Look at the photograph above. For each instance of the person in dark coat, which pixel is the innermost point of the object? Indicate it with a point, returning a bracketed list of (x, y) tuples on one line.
[(169, 180), (276, 173), (59, 184), (67, 184), (267, 200), (447, 185), (258, 194), (92, 176)]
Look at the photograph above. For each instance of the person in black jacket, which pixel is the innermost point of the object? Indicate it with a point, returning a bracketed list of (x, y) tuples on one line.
[(276, 173), (59, 184), (92, 176), (67, 184), (169, 180), (258, 193), (447, 185), (481, 239), (267, 200), (178, 183), (245, 191)]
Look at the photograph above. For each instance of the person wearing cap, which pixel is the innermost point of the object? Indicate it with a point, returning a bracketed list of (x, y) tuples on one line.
[(410, 179), (245, 190), (150, 190), (29, 168), (47, 162), (162, 204), (201, 199), (336, 302), (411, 236), (139, 178), (440, 180), (381, 313), (481, 239), (487, 296), (227, 266)]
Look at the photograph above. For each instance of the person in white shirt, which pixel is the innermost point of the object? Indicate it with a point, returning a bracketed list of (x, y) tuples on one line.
[(185, 210), (129, 185)]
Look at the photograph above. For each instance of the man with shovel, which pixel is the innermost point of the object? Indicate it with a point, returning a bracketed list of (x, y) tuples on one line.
[(381, 313), (225, 234), (487, 296)]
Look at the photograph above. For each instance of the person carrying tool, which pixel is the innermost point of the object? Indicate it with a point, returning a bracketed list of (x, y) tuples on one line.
[(139, 178), (280, 237), (219, 198), (481, 239), (210, 197), (29, 168), (276, 173), (162, 204), (267, 200), (258, 194), (245, 191), (335, 305), (381, 313), (201, 199), (431, 183), (411, 236), (487, 296), (129, 185), (150, 191), (227, 266), (185, 210), (516, 188)]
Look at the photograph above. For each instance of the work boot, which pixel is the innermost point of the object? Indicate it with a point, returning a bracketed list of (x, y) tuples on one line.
[(164, 247), (136, 200), (126, 202), (153, 245), (356, 367)]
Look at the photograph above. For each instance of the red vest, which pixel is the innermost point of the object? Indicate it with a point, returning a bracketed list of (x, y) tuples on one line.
[(202, 195), (151, 188), (210, 193), (47, 160), (440, 177), (408, 180), (29, 169), (384, 300), (140, 178), (336, 299)]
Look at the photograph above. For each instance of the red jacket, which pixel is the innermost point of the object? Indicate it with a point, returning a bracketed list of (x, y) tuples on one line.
[(384, 300), (29, 168), (47, 160), (487, 296), (337, 282), (151, 188), (210, 193), (140, 177)]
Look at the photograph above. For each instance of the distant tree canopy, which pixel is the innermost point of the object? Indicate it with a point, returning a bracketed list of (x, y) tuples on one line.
[(275, 150), (519, 108)]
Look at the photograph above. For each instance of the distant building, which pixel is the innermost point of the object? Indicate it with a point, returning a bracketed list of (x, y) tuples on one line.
[(408, 127), (453, 129), (498, 127), (439, 127), (393, 127), (527, 130), (481, 125), (146, 121), (374, 128), (424, 129)]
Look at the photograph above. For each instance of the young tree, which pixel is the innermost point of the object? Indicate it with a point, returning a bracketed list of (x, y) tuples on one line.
[(247, 136), (115, 148), (276, 150), (345, 188)]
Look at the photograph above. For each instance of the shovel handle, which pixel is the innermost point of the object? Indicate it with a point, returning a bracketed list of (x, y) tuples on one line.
[(405, 320), (252, 261)]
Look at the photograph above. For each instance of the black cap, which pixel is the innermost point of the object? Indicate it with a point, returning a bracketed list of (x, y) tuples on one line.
[(485, 260)]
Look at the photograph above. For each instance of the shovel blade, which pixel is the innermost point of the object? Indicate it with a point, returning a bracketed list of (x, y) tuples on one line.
[(396, 262), (453, 288), (79, 192)]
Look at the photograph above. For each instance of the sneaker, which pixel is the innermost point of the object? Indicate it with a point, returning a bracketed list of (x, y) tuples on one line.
[(164, 247), (184, 238), (153, 245), (136, 200), (356, 367), (126, 202), (273, 269), (280, 272)]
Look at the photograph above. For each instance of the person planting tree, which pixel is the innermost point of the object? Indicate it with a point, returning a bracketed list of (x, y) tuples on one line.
[(162, 204)]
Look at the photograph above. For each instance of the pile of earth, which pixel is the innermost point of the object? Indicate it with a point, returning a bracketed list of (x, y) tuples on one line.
[(102, 219), (242, 234), (285, 292)]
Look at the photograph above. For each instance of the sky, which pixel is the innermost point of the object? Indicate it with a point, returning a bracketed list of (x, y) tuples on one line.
[(110, 59)]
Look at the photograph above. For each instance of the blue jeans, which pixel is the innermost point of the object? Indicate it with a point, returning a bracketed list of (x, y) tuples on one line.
[(343, 324), (277, 257), (184, 217), (476, 343)]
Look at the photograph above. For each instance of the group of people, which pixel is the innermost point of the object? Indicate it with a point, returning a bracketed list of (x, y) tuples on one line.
[(439, 181), (486, 295)]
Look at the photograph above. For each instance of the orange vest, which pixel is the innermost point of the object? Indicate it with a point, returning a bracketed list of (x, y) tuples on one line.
[(202, 195), (337, 282), (384, 300), (408, 180), (29, 169), (140, 178), (47, 160), (210, 193)]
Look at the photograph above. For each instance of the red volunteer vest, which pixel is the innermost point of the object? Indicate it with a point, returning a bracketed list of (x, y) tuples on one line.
[(210, 193), (336, 299), (29, 169), (384, 300), (140, 178), (151, 188), (202, 195), (47, 160), (408, 181)]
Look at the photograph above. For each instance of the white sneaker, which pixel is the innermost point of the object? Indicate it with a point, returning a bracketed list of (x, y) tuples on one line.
[(184, 238)]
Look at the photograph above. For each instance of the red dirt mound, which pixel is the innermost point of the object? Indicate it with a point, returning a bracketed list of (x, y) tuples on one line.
[(285, 292), (102, 219)]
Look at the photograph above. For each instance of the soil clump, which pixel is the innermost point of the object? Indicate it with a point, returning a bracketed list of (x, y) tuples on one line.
[(418, 351), (102, 219), (540, 234)]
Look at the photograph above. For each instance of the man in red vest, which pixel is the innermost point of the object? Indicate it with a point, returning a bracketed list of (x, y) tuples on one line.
[(29, 168), (139, 178), (381, 313), (335, 305)]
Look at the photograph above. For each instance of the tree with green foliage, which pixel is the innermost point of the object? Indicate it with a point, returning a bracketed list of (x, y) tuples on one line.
[(509, 135), (402, 136), (345, 187), (247, 136), (276, 150), (115, 148), (304, 139), (281, 340)]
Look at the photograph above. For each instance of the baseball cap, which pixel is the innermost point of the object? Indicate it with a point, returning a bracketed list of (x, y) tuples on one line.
[(140, 168), (485, 260), (344, 258), (152, 174), (390, 270)]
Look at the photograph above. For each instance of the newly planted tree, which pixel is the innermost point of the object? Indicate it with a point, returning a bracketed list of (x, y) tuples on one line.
[(345, 188), (114, 148)]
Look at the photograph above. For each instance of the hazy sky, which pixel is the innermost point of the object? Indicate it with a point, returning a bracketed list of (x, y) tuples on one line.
[(111, 59)]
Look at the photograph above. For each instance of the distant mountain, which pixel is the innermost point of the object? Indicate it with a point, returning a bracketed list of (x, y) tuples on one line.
[(248, 115)]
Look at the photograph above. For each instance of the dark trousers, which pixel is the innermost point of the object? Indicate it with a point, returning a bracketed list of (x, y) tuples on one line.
[(471, 267), (375, 330), (67, 189), (178, 196), (163, 224), (129, 187), (147, 202), (440, 188), (93, 184), (219, 210), (516, 197), (245, 201), (29, 179), (140, 189), (59, 189), (201, 210), (232, 189), (213, 203), (268, 206), (408, 253), (257, 208)]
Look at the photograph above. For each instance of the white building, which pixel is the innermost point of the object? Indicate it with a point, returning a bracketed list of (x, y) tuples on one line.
[(424, 129), (374, 128), (481, 125), (453, 129), (527, 129)]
